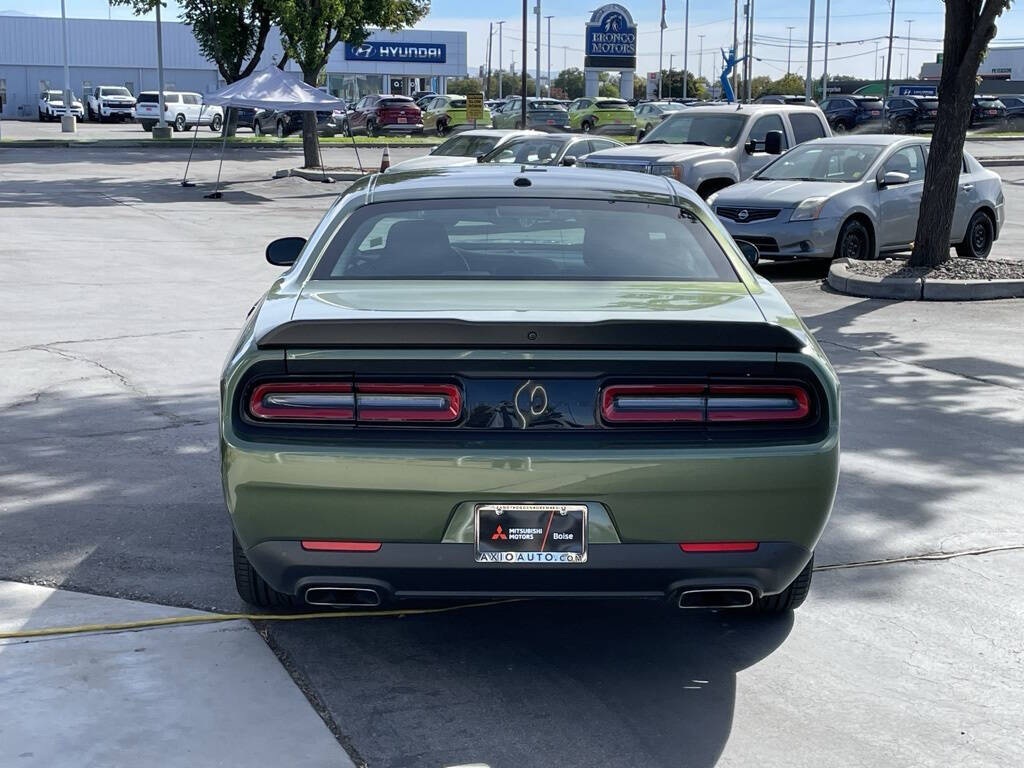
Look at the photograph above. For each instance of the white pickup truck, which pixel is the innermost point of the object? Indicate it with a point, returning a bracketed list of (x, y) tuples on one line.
[(109, 102), (182, 110), (51, 106)]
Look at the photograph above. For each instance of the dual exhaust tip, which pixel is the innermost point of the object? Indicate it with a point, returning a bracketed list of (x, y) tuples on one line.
[(343, 597), (716, 598)]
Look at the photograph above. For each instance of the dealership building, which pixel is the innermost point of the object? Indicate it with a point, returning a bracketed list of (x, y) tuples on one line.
[(123, 52)]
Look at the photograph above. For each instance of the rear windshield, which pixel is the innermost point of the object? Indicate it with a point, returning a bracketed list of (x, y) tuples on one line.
[(396, 102), (545, 105), (928, 103), (869, 103), (540, 239), (990, 103), (611, 104), (147, 98)]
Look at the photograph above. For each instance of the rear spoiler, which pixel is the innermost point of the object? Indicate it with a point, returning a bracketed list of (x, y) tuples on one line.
[(460, 334)]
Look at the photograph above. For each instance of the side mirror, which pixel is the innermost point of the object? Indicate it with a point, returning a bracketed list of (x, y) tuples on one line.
[(285, 250), (773, 142), (568, 162), (749, 251), (893, 179)]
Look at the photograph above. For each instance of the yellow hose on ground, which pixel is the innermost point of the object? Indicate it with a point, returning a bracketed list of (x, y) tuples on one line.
[(209, 618)]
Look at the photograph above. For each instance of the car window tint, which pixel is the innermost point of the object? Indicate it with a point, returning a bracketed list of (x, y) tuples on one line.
[(767, 123), (598, 144), (537, 239), (823, 162), (578, 149), (908, 160), (806, 127), (535, 151)]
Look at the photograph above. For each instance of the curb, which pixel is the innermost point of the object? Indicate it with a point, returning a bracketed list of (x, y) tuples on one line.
[(187, 143), (841, 279), (998, 162)]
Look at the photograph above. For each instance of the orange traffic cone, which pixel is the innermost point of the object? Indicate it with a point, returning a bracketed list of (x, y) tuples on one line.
[(385, 160)]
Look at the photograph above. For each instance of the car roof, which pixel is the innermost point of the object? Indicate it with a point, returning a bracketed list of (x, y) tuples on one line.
[(871, 139), (498, 180), (750, 109), (499, 132)]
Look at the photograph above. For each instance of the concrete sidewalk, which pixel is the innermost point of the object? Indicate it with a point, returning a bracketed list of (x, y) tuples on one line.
[(189, 695)]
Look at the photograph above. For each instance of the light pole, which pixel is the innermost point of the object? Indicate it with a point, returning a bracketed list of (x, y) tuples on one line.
[(876, 60), (909, 22), (536, 85), (808, 89), (522, 80), (67, 120), (686, 44), (824, 74), (161, 130), (549, 18), (500, 27), (700, 58), (735, 37), (789, 52), (888, 66)]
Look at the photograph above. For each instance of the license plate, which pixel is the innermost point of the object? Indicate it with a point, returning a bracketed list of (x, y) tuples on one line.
[(403, 120), (875, 113), (993, 112), (618, 121), (551, 122), (518, 534)]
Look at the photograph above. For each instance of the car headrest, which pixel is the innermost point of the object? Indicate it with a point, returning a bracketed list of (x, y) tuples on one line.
[(415, 236)]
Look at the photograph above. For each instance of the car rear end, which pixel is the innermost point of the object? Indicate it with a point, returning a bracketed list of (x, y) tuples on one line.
[(988, 113), (613, 116), (926, 113), (546, 116), (147, 107), (398, 115), (868, 113), (455, 115), (410, 438)]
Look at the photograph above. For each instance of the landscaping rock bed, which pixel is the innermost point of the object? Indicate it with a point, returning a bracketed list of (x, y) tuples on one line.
[(953, 269)]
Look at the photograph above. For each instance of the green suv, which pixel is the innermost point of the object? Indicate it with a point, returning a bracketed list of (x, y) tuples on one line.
[(604, 115), (443, 113)]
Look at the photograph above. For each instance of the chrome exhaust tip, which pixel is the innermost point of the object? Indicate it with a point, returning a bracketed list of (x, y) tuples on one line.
[(343, 597), (716, 598)]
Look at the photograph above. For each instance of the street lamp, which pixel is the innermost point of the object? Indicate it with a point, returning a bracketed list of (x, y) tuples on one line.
[(522, 80), (67, 120), (500, 27), (549, 18), (909, 22)]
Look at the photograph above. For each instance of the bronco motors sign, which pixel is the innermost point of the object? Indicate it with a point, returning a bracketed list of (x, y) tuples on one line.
[(418, 53), (611, 38)]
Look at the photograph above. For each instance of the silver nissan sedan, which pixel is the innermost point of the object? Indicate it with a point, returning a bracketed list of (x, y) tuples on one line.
[(854, 197)]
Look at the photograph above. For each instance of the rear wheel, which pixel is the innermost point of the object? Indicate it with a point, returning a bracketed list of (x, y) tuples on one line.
[(901, 125), (792, 597), (978, 242), (587, 126), (251, 586), (257, 129), (215, 123), (279, 129), (854, 241), (371, 128), (839, 128), (147, 125), (441, 127)]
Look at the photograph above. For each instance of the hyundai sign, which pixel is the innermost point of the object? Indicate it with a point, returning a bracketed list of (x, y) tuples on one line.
[(611, 38), (415, 53)]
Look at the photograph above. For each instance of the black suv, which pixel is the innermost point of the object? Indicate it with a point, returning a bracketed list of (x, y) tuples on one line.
[(786, 98), (909, 114), (853, 112), (1014, 111), (987, 111)]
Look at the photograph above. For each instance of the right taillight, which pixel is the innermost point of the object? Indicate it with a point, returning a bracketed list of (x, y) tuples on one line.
[(652, 404)]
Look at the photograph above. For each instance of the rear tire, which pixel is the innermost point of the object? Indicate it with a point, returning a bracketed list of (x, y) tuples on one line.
[(147, 125), (977, 243), (587, 126), (901, 125), (839, 128), (371, 128), (441, 127), (180, 124), (251, 586), (792, 597), (257, 129), (216, 123), (279, 130)]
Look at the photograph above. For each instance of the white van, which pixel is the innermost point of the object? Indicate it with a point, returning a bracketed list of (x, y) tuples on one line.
[(182, 110)]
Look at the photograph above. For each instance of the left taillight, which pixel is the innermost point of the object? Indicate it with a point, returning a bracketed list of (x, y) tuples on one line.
[(359, 403)]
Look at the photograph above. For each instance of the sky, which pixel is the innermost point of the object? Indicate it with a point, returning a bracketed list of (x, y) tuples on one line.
[(856, 27)]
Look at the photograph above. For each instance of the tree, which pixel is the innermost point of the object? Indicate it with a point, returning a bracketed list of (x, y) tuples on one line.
[(509, 85), (571, 81), (970, 26), (311, 29), (787, 85), (761, 85), (460, 86), (672, 85)]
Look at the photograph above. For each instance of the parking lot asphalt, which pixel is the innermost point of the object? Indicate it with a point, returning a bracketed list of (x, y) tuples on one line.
[(121, 293)]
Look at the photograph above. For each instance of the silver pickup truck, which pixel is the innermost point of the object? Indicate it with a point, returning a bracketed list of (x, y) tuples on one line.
[(710, 147)]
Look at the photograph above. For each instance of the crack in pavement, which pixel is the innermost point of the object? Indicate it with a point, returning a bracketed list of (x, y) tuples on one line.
[(64, 342), (925, 557), (979, 379)]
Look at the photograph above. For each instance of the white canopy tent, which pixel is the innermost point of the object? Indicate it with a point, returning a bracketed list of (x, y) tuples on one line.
[(270, 88)]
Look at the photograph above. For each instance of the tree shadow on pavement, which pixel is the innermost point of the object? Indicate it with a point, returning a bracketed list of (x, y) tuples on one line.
[(588, 684)]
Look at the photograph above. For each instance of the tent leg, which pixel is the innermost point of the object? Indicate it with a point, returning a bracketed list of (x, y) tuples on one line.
[(326, 179), (216, 194), (195, 135), (356, 150)]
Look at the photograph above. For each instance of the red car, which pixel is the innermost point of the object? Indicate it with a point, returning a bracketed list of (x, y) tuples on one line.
[(383, 113)]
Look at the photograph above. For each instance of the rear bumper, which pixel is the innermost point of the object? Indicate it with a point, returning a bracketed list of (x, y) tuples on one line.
[(405, 570), (400, 127)]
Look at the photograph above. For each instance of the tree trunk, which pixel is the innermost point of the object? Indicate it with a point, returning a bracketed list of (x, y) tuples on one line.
[(967, 35), (230, 122), (311, 158)]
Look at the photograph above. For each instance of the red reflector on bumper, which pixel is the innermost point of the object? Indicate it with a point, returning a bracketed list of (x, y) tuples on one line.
[(718, 546), (341, 546)]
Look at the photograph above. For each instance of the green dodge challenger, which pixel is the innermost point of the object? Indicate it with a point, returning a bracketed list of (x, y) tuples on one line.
[(508, 381)]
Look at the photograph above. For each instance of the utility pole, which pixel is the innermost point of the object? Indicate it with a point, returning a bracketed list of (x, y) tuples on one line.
[(750, 47), (909, 22), (661, 47), (700, 58), (500, 78), (808, 88), (536, 9), (876, 59), (735, 36), (671, 59), (490, 40), (789, 52), (522, 80), (67, 120), (888, 66), (686, 45), (824, 74), (549, 18), (565, 56)]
